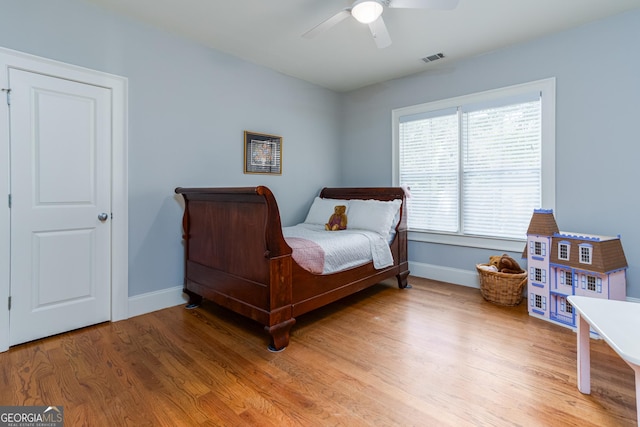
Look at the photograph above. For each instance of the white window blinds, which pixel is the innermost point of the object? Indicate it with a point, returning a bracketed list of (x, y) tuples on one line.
[(501, 171), (429, 167), (473, 169)]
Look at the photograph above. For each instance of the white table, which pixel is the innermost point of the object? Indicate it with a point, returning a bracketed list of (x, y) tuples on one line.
[(618, 323)]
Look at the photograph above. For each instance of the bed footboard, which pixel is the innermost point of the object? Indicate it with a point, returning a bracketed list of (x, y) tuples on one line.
[(236, 256)]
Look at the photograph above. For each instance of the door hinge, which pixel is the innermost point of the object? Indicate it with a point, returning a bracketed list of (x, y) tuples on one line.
[(9, 302), (9, 200), (8, 91)]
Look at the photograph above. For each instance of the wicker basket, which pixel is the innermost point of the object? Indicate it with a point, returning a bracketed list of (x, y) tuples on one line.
[(501, 288)]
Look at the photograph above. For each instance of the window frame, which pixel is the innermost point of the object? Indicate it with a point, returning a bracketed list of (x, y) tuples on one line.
[(566, 248), (568, 278), (548, 106), (586, 253), (568, 308)]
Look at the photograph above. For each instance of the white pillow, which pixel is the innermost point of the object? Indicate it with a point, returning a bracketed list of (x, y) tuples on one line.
[(373, 215), (322, 209)]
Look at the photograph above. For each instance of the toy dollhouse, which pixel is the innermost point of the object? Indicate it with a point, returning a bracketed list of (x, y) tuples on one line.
[(561, 264)]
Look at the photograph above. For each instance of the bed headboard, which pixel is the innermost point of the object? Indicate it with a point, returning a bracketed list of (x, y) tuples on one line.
[(378, 193)]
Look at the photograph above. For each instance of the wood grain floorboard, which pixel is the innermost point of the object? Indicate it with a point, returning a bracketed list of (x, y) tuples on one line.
[(433, 355)]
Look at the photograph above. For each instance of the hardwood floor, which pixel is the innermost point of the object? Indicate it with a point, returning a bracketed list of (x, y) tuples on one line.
[(433, 355)]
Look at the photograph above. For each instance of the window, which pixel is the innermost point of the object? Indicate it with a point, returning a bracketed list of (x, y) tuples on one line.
[(594, 284), (538, 248), (538, 301), (538, 275), (568, 308), (563, 251), (591, 283), (568, 278), (477, 166), (585, 254)]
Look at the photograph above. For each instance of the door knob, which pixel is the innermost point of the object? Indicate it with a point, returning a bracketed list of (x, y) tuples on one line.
[(103, 216)]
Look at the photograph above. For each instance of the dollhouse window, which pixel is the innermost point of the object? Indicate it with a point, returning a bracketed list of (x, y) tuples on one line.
[(538, 275), (563, 251), (568, 278), (594, 284), (568, 308), (585, 254), (539, 248), (540, 302)]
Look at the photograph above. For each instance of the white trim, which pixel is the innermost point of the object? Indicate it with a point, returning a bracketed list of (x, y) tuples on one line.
[(455, 276), (120, 202), (468, 241), (157, 300), (458, 276), (5, 226), (119, 193)]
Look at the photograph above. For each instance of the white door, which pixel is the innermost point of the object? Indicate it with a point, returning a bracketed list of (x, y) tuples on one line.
[(60, 155)]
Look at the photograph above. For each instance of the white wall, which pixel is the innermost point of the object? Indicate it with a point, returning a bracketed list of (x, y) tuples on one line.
[(597, 70), (188, 108)]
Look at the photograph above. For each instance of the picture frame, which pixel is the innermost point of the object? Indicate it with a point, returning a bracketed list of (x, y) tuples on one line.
[(262, 153)]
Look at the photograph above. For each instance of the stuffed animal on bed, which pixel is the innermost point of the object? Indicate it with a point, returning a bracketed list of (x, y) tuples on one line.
[(505, 264), (337, 221)]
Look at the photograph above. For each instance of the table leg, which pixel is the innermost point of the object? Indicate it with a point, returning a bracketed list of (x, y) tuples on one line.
[(636, 369), (584, 356)]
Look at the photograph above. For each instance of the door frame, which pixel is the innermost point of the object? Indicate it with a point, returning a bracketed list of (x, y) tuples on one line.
[(119, 178)]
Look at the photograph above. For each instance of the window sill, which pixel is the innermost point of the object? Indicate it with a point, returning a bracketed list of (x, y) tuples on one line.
[(468, 241)]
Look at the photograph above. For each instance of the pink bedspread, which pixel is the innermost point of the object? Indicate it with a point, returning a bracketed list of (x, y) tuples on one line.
[(309, 255)]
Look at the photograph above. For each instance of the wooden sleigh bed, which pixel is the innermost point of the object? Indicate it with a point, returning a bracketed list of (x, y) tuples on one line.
[(237, 257)]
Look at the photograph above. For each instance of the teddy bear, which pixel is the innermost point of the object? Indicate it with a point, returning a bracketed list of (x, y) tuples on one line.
[(338, 220), (505, 264)]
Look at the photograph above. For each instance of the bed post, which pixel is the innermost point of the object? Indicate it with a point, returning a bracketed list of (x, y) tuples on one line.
[(281, 318), (401, 237), (280, 335), (194, 299)]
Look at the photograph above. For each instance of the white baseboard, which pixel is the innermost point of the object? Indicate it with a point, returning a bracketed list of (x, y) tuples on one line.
[(154, 301), (455, 276), (445, 274), (170, 297)]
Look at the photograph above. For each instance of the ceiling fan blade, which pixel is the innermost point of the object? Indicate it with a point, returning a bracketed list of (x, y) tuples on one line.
[(380, 33), (325, 25), (424, 4)]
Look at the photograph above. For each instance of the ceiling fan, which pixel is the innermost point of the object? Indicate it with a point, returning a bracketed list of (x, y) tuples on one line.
[(370, 12)]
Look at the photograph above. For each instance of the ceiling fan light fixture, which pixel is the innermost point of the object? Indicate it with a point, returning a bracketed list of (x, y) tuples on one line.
[(366, 11)]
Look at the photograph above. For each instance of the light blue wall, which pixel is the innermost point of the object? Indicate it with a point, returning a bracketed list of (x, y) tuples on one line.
[(597, 71), (188, 108)]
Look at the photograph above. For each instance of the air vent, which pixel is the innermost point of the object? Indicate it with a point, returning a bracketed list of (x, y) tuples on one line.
[(432, 58)]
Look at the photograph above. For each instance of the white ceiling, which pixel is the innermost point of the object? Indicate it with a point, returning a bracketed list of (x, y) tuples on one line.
[(268, 32)]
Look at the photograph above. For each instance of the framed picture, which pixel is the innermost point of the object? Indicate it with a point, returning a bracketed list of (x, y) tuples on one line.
[(262, 153)]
